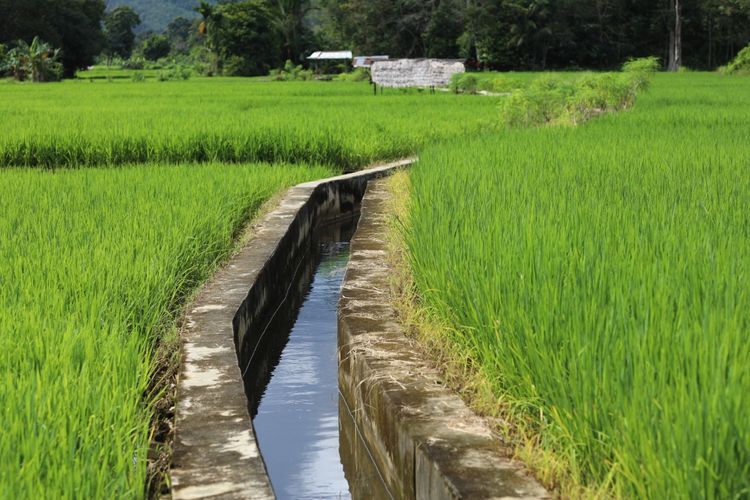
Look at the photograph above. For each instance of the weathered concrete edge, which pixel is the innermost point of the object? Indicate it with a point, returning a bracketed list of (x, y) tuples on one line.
[(427, 443), (215, 451)]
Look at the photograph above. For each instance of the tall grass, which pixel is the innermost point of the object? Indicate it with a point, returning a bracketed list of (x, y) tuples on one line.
[(598, 276), (93, 266)]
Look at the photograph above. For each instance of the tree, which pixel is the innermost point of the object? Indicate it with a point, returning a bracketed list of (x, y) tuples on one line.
[(118, 28), (74, 26), (675, 39), (242, 37), (179, 32), (443, 31), (156, 47), (289, 20)]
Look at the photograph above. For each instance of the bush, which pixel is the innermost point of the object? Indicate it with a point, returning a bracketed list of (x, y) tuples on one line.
[(643, 65), (3, 63), (358, 75), (641, 71), (174, 74), (136, 63), (156, 47), (290, 73), (464, 82), (552, 100), (740, 65), (138, 77)]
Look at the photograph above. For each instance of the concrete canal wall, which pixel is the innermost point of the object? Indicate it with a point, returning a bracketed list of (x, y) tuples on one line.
[(423, 439)]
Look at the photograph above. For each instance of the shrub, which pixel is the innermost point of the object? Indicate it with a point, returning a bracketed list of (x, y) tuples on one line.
[(290, 73), (643, 65), (552, 100), (136, 63), (156, 47), (358, 75), (740, 65), (138, 77), (3, 55), (464, 82), (176, 73)]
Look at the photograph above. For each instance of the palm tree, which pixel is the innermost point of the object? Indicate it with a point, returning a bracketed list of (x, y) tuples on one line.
[(289, 17)]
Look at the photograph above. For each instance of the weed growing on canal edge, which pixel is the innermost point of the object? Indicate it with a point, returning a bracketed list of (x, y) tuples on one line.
[(597, 276), (94, 265)]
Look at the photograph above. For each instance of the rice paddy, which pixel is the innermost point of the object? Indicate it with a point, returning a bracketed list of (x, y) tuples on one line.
[(596, 275), (94, 264), (79, 123)]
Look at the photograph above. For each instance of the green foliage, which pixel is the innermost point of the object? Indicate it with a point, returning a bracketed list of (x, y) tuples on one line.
[(358, 75), (3, 59), (134, 63), (643, 65), (554, 100), (96, 265), (291, 72), (596, 277), (73, 26), (118, 29), (242, 36), (467, 83), (740, 65), (37, 62), (177, 73), (138, 77), (156, 47)]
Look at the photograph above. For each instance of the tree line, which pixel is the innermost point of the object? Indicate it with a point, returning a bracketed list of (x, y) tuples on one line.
[(250, 37)]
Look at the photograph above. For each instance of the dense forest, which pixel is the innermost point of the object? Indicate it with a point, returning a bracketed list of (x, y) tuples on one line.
[(495, 34)]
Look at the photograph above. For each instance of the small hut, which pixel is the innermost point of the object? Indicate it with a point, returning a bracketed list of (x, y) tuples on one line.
[(324, 59)]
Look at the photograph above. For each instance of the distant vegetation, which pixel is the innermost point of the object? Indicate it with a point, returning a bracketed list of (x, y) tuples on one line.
[(215, 38)]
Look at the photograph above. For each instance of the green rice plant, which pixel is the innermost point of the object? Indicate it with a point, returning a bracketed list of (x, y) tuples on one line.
[(228, 120), (597, 278), (94, 267)]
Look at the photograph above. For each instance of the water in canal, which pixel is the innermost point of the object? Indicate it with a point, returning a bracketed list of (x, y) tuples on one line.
[(298, 415)]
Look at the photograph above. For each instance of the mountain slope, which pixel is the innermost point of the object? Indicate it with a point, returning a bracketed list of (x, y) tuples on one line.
[(156, 14)]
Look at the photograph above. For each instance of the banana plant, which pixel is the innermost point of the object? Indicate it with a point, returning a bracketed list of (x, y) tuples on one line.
[(38, 61)]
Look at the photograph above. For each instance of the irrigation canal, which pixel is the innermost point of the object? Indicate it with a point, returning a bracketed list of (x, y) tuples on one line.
[(305, 432)]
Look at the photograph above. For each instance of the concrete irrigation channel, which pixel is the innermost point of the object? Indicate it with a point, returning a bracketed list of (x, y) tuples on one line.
[(359, 414)]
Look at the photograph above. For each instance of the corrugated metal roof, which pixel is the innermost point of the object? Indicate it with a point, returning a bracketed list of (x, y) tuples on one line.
[(366, 61), (338, 55)]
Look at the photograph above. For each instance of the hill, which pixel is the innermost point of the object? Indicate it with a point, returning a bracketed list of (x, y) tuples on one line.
[(156, 14)]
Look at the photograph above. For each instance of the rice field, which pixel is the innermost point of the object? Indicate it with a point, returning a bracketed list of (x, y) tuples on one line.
[(82, 123), (597, 276), (94, 265)]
